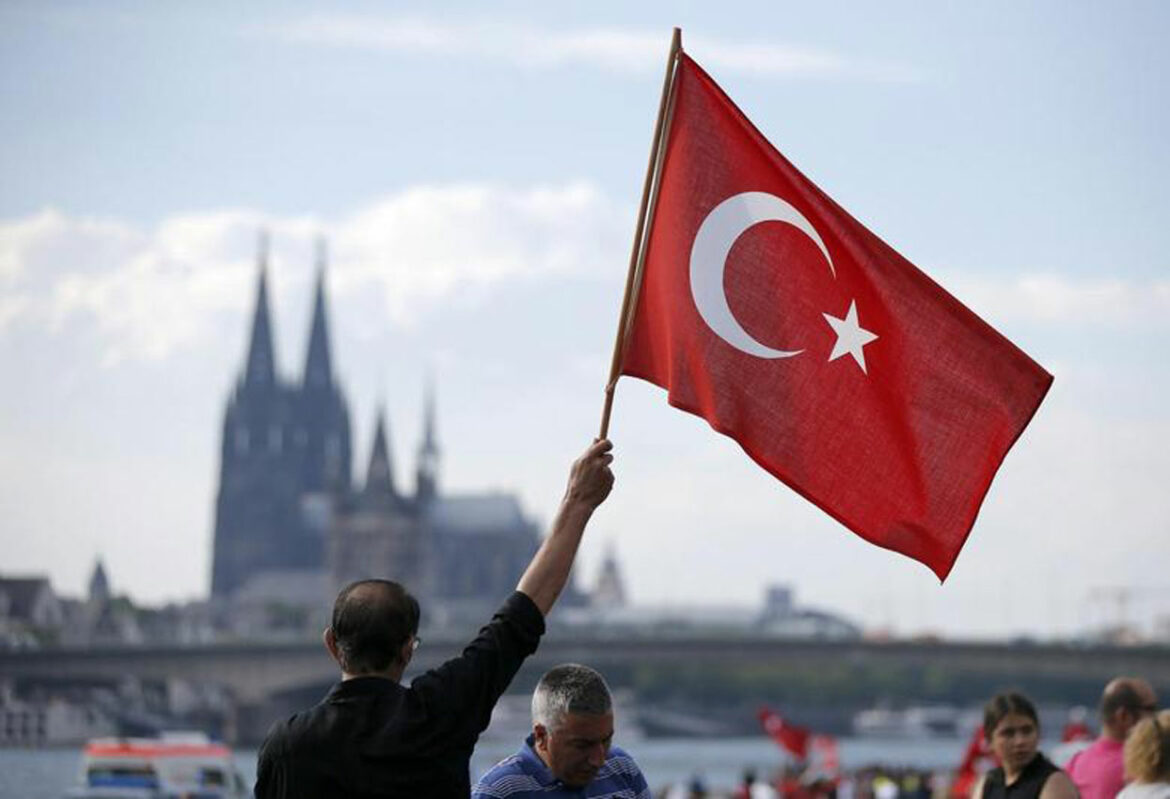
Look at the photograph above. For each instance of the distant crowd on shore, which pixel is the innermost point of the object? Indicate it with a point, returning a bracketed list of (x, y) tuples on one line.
[(874, 781), (1130, 759)]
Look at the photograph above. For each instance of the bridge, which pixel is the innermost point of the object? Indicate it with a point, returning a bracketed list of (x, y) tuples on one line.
[(254, 671), (269, 679)]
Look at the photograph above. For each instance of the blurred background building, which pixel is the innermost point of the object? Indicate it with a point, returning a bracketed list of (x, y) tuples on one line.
[(292, 526)]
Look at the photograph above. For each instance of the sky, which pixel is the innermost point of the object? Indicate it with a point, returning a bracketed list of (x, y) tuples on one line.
[(475, 171)]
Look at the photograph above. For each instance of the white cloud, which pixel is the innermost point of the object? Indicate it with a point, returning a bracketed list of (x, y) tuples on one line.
[(148, 292), (400, 34), (621, 50), (430, 242), (145, 292), (82, 244)]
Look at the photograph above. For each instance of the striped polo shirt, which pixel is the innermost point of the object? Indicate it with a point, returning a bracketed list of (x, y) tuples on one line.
[(525, 776)]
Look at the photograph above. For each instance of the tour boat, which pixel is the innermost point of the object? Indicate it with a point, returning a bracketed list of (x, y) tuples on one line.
[(187, 765)]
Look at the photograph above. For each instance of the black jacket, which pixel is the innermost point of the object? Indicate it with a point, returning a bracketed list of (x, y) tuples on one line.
[(372, 737)]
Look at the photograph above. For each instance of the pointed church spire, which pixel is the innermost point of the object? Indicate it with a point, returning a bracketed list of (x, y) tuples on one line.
[(99, 584), (318, 365), (261, 367), (430, 444), (380, 477), (427, 475), (610, 591)]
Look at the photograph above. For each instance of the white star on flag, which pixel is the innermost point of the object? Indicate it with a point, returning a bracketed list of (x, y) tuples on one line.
[(851, 336)]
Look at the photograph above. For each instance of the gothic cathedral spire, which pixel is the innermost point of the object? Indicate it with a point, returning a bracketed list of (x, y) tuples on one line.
[(427, 475), (261, 367), (99, 585), (318, 365), (380, 477)]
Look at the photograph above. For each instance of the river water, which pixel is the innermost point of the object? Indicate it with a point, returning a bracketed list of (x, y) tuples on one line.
[(48, 773)]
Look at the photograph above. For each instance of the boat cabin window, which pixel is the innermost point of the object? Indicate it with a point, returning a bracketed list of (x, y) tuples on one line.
[(122, 775), (212, 777)]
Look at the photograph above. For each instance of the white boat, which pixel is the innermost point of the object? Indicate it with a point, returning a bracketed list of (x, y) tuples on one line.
[(913, 722), (187, 765)]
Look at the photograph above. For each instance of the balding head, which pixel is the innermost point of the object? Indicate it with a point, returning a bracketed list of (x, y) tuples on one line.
[(373, 623), (1124, 702)]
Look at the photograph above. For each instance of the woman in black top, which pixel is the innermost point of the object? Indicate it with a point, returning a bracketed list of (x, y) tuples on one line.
[(1012, 730)]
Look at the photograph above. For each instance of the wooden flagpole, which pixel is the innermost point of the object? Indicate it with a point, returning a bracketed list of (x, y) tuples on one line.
[(637, 253)]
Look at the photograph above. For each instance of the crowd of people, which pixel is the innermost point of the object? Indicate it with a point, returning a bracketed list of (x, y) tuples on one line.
[(372, 736), (1130, 759), (794, 781)]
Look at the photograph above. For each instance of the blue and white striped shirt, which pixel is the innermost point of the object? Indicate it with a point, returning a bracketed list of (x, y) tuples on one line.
[(525, 776)]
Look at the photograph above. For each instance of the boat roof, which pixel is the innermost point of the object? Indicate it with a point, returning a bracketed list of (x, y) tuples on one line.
[(156, 747)]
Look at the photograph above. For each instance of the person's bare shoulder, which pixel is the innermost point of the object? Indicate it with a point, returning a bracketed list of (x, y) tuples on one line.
[(1059, 786)]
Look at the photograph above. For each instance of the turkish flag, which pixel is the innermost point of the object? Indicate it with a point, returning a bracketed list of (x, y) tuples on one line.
[(792, 739), (838, 366)]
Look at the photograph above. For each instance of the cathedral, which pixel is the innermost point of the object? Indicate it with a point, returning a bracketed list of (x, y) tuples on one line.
[(288, 508)]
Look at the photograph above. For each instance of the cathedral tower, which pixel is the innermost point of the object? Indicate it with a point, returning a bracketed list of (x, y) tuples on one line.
[(323, 418), (285, 451)]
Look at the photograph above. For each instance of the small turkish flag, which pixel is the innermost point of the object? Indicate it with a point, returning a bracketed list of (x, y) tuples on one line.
[(838, 366), (794, 740)]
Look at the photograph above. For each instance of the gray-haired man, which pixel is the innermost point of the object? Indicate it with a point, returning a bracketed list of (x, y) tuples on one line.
[(569, 753)]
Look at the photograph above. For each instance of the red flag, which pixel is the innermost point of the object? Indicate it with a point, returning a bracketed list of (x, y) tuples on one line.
[(790, 738), (828, 761), (968, 771), (1075, 730), (837, 365)]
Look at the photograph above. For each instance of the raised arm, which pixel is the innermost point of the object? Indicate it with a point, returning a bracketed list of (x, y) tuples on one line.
[(590, 481)]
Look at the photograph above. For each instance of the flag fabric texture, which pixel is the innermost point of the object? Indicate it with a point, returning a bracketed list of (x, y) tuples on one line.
[(837, 365)]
